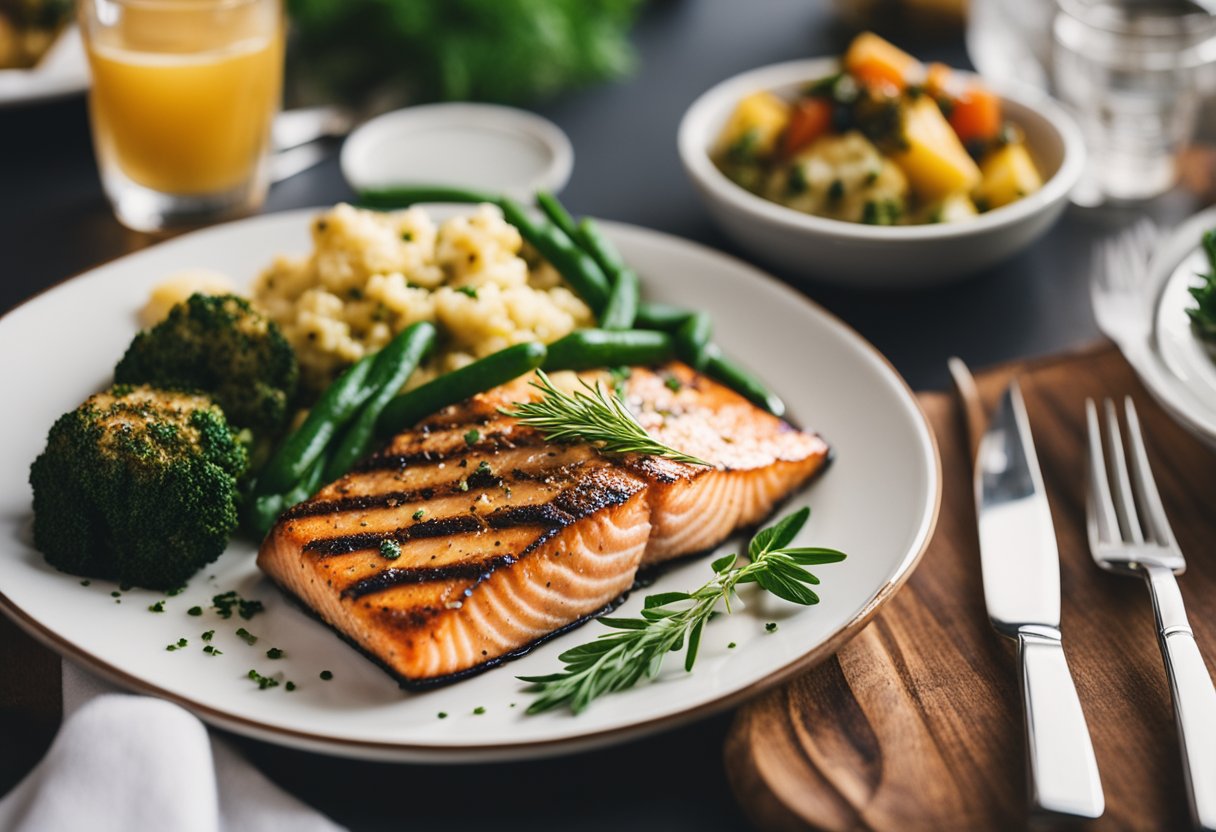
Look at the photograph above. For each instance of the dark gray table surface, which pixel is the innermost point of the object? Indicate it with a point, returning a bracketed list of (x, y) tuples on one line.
[(54, 222)]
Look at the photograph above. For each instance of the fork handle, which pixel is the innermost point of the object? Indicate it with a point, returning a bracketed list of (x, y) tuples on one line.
[(1193, 693), (1062, 770)]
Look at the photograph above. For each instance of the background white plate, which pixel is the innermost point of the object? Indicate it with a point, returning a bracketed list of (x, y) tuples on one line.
[(63, 71), (878, 502)]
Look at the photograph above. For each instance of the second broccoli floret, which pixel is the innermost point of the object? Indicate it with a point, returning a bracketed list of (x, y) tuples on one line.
[(138, 485), (220, 345)]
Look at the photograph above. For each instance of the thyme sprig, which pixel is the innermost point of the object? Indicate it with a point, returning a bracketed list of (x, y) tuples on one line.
[(590, 415), (636, 647)]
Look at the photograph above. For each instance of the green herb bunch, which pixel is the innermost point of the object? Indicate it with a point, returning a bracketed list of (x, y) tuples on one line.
[(590, 415), (670, 621), (488, 50), (1203, 314)]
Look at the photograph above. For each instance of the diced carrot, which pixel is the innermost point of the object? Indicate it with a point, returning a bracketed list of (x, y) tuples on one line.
[(877, 62), (976, 115), (809, 119)]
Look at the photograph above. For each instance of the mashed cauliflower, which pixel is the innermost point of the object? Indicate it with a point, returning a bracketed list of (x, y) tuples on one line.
[(372, 274)]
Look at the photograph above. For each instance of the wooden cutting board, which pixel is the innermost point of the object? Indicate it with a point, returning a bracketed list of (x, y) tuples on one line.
[(916, 723)]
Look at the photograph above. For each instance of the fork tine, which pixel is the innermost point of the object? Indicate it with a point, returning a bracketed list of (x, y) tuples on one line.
[(1099, 509), (1156, 524), (1125, 504)]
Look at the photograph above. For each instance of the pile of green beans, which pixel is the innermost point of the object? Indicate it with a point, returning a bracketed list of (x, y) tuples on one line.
[(631, 331)]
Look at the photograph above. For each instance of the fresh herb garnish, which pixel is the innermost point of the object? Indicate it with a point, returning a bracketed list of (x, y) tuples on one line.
[(229, 602), (85, 582), (770, 627), (290, 686), (419, 514), (442, 715), (636, 647), (592, 416), (327, 675), (1203, 314), (471, 291), (263, 681), (210, 650), (181, 643), (246, 636), (275, 653), (195, 611), (390, 549), (207, 636), (472, 436), (159, 606), (479, 710)]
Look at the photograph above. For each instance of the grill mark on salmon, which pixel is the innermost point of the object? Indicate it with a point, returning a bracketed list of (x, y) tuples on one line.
[(536, 540)]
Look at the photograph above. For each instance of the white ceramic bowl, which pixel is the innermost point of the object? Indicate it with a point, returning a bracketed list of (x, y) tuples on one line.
[(860, 255)]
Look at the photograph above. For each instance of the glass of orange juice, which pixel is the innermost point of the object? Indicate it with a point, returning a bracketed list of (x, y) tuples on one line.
[(184, 93)]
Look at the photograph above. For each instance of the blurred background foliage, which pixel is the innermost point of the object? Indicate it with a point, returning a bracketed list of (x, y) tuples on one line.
[(383, 53)]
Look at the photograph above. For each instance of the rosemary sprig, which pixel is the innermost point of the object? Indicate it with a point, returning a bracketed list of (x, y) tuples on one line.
[(593, 416), (636, 647)]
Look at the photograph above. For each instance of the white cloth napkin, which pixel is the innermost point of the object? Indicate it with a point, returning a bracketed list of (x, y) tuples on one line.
[(130, 763)]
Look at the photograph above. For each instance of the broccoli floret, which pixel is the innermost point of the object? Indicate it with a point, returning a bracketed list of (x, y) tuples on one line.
[(220, 345), (138, 485)]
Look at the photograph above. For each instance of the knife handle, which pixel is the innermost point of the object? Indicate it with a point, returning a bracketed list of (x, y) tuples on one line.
[(1062, 771)]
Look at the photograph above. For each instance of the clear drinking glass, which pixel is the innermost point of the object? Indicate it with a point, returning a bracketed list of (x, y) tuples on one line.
[(184, 93), (1130, 72)]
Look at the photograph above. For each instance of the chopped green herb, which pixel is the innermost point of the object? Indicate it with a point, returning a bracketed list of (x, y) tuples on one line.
[(263, 681), (472, 436), (407, 237), (479, 710), (181, 642), (85, 582), (290, 686), (207, 636), (483, 468), (246, 636), (115, 594), (210, 650), (390, 549), (274, 653), (195, 611), (178, 591), (731, 646), (673, 384), (836, 190), (327, 675), (227, 603), (419, 514), (159, 606), (442, 715), (796, 182), (770, 627), (471, 291)]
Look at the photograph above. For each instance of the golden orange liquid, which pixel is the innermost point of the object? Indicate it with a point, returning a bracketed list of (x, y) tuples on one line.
[(184, 105)]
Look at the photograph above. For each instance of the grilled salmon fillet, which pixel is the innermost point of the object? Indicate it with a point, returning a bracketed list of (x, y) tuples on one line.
[(469, 539)]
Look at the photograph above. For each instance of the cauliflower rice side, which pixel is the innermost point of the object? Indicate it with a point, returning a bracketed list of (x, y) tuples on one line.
[(371, 274)]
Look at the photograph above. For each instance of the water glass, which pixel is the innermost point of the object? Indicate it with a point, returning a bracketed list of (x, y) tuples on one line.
[(183, 96), (1130, 72)]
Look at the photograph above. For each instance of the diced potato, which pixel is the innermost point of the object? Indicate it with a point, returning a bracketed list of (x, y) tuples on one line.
[(875, 62), (177, 287), (1008, 174), (954, 208), (755, 126), (934, 159)]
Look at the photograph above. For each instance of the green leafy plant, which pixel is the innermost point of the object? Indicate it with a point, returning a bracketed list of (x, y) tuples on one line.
[(489, 50), (1203, 314), (590, 415), (670, 621)]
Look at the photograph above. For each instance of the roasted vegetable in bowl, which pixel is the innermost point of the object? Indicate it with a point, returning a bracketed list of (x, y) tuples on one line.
[(884, 141)]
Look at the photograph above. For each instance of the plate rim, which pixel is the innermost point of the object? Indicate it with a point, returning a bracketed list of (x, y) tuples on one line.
[(394, 751)]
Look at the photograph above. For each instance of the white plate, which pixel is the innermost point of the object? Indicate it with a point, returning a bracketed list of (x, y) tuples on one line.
[(483, 146), (1185, 355), (878, 501), (63, 71)]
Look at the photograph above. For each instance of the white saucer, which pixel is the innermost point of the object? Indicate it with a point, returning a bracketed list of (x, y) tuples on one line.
[(480, 146)]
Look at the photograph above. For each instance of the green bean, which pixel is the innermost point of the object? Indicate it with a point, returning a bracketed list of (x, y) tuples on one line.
[(557, 212), (579, 269), (587, 349), (742, 382), (337, 405), (263, 510), (661, 316), (403, 196), (393, 368), (622, 306), (499, 368), (692, 339), (600, 247)]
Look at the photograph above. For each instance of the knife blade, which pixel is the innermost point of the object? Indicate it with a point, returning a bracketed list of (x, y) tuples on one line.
[(1020, 562)]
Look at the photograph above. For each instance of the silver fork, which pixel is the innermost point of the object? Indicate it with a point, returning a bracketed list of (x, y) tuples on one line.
[(1119, 285), (1130, 534)]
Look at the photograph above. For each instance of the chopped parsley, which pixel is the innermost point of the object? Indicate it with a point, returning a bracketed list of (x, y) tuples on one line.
[(673, 384), (472, 436), (228, 603), (390, 549), (290, 686), (115, 594), (85, 582), (274, 653), (159, 606), (327, 675), (479, 710), (207, 636), (770, 627), (419, 514), (210, 650), (263, 681), (195, 611), (246, 636), (471, 291), (442, 715), (731, 646), (483, 467), (836, 190), (178, 645)]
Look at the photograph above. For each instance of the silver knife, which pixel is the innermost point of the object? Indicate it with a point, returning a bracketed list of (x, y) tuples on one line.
[(1021, 567)]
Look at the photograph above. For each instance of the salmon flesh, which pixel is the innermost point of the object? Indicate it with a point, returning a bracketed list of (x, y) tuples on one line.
[(469, 539)]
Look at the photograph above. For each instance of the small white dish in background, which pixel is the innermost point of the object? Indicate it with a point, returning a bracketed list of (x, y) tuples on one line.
[(869, 256), (478, 146), (63, 71)]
